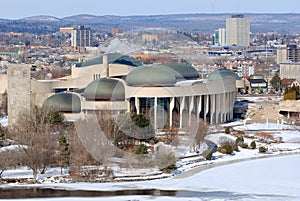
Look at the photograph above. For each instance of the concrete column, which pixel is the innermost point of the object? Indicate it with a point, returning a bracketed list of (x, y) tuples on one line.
[(128, 105), (199, 104), (232, 98), (218, 107), (223, 107), (182, 104), (206, 106), (212, 108), (137, 104), (105, 64), (155, 113), (171, 106), (228, 105), (191, 102)]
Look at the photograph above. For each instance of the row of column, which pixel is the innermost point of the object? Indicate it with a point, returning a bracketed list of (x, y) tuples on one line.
[(215, 108)]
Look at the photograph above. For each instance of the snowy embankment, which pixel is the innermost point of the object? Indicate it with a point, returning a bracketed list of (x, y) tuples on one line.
[(3, 121), (275, 178), (193, 164)]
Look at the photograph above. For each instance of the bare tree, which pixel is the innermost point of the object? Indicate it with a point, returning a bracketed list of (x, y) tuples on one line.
[(37, 140), (7, 161), (198, 131), (171, 134), (4, 103), (165, 157)]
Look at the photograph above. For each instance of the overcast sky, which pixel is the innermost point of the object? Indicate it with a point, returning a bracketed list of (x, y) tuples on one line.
[(15, 9)]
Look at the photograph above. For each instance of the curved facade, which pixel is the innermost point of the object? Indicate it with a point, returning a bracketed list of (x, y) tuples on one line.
[(221, 73), (104, 89), (170, 94), (151, 76), (181, 70), (63, 102)]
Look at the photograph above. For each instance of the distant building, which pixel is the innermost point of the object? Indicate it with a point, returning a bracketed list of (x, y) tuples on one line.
[(220, 36), (293, 53), (290, 70), (169, 94), (281, 55), (149, 37), (290, 53), (66, 30), (238, 31), (81, 37), (244, 68), (117, 31)]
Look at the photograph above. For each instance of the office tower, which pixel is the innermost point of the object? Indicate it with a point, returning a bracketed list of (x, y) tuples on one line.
[(290, 53), (293, 53), (220, 36), (238, 30), (81, 37)]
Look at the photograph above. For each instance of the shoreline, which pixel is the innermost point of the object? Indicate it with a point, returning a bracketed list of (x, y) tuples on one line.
[(204, 167)]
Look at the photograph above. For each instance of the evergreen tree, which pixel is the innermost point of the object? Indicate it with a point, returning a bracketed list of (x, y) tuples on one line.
[(64, 151), (276, 82)]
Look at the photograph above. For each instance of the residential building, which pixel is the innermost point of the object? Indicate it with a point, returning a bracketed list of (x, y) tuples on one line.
[(289, 53), (238, 31), (290, 70), (220, 37), (81, 37)]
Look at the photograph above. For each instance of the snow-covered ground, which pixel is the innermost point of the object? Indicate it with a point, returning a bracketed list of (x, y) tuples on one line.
[(3, 121), (273, 178)]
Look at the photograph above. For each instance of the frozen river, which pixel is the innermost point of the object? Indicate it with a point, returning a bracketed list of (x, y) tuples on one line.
[(275, 178)]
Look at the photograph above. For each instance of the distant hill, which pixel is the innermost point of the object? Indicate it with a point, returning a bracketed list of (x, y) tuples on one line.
[(282, 23), (41, 18)]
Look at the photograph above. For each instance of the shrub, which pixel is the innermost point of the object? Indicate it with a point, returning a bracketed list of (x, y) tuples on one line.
[(262, 149), (207, 154), (253, 145), (227, 141), (226, 149), (227, 130), (2, 136), (164, 160), (239, 141), (237, 132), (265, 137), (244, 145), (141, 149)]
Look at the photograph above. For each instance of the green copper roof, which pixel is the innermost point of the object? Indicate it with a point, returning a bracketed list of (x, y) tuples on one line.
[(105, 89), (153, 75), (63, 102), (221, 73), (182, 70), (113, 58)]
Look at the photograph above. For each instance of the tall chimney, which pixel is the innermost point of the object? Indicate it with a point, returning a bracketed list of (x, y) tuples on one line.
[(105, 63)]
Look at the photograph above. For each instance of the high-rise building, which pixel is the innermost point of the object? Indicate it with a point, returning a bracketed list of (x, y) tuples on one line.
[(293, 53), (81, 37), (220, 36), (238, 31), (289, 53)]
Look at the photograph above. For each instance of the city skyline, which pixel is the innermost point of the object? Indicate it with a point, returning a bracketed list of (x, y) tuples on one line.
[(15, 9)]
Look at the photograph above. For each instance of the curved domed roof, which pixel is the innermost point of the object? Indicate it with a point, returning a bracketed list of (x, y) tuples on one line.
[(153, 75), (105, 89), (113, 58), (182, 70), (63, 102), (221, 73)]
